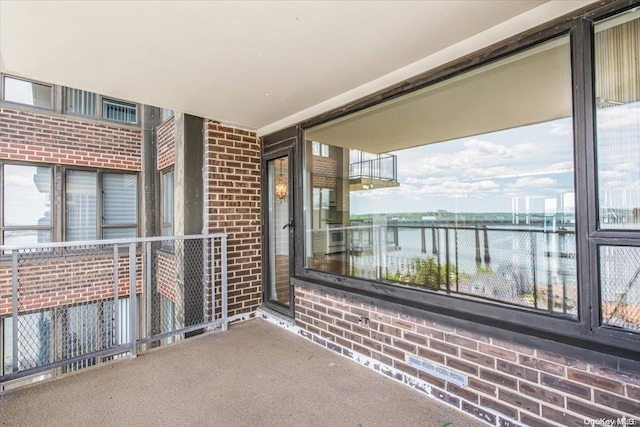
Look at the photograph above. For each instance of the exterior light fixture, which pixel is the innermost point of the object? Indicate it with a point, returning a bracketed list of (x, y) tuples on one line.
[(281, 185)]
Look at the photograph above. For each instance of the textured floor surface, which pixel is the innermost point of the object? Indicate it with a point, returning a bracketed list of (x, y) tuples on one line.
[(256, 374)]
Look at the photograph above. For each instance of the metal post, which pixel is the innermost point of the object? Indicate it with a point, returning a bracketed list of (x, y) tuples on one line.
[(223, 263), (534, 266), (116, 303), (133, 309), (423, 240), (14, 315), (212, 282), (434, 242), (446, 257), (147, 288), (487, 257)]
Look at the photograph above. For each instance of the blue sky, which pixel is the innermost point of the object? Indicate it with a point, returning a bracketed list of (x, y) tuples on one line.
[(528, 165)]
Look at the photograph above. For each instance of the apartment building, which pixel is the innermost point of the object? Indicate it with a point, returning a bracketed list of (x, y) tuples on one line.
[(471, 231)]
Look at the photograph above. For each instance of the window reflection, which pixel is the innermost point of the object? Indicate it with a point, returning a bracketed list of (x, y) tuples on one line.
[(466, 187)]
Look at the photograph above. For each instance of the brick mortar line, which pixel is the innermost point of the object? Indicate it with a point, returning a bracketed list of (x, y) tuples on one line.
[(370, 363)]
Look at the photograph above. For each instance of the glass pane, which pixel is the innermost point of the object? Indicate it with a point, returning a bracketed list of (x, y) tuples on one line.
[(26, 237), (27, 195), (167, 203), (278, 230), (81, 205), (620, 287), (166, 113), (119, 111), (617, 69), (466, 187), (29, 93), (119, 233), (80, 102), (120, 198)]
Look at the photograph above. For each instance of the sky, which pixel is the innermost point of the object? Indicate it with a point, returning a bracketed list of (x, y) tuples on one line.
[(527, 166)]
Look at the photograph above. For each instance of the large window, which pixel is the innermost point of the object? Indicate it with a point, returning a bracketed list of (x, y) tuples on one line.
[(114, 195), (466, 187), (27, 92), (26, 204), (507, 193)]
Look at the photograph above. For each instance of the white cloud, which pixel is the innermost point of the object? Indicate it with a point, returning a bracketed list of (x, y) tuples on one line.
[(561, 129)]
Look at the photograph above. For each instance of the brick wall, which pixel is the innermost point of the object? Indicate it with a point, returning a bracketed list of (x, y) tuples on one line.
[(232, 202), (167, 275), (67, 140), (508, 384), (166, 136), (75, 278)]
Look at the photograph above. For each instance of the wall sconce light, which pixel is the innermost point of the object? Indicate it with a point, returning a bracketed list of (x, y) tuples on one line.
[(281, 185)]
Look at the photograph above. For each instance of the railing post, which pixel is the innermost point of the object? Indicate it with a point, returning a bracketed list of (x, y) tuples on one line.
[(147, 288), (423, 240), (447, 260), (223, 264), (211, 304), (116, 303), (133, 302), (534, 266), (14, 315)]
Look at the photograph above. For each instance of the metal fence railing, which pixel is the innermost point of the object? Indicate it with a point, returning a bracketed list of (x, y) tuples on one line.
[(65, 306), (526, 267)]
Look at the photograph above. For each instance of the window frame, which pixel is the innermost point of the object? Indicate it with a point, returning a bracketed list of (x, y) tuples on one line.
[(99, 200), (164, 172), (3, 92), (53, 213), (99, 110), (516, 323)]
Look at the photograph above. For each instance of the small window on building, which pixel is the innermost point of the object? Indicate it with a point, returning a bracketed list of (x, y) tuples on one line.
[(26, 208), (80, 102), (319, 149), (167, 203), (27, 92), (119, 111), (165, 114)]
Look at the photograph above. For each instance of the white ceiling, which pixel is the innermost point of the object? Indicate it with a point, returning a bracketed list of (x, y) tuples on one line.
[(260, 65)]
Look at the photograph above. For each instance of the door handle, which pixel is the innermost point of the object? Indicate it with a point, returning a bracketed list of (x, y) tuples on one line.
[(289, 224)]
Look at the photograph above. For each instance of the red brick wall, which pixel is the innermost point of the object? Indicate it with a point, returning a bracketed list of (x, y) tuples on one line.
[(167, 281), (232, 201), (51, 281), (67, 140), (508, 384), (166, 136)]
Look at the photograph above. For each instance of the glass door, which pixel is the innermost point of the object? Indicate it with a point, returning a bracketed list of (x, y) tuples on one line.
[(279, 235)]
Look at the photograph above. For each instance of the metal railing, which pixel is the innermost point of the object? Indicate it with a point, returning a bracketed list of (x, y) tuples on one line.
[(527, 267), (64, 306), (382, 167)]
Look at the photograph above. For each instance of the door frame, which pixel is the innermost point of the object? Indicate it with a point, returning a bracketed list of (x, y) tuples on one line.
[(273, 147)]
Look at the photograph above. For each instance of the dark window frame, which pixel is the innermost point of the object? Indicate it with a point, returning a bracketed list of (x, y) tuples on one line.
[(99, 115), (3, 92), (586, 332), (99, 200)]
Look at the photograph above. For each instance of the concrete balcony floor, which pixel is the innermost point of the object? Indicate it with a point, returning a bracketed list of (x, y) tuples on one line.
[(256, 374)]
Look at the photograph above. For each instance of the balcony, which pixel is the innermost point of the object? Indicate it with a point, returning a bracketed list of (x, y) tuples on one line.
[(370, 171), (143, 326)]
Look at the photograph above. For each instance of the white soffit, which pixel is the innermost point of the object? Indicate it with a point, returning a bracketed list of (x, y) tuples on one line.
[(257, 64)]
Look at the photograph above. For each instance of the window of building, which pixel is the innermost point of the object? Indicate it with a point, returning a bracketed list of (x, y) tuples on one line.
[(114, 195), (319, 149), (485, 205), (119, 111), (27, 92), (81, 102), (165, 114), (617, 96), (86, 103), (86, 328), (26, 204), (167, 203)]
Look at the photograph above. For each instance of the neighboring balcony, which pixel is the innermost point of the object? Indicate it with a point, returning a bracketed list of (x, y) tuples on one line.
[(370, 171)]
